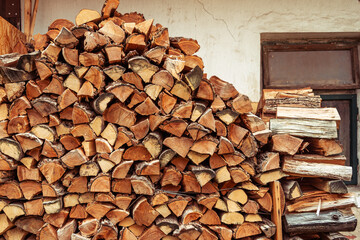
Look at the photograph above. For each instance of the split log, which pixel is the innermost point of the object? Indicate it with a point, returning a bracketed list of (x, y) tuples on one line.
[(325, 147), (327, 221), (330, 186), (292, 189), (285, 143), (299, 168), (304, 128), (313, 158)]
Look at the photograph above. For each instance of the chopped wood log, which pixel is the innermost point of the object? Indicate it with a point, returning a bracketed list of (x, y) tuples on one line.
[(207, 120), (270, 176), (210, 218), (328, 201), (218, 104), (180, 145), (113, 31), (299, 168), (187, 45), (11, 148), (142, 185), (139, 208), (156, 54), (246, 230), (327, 221), (292, 189), (14, 210), (267, 227), (325, 147), (304, 128), (308, 113), (119, 114), (86, 15), (143, 68), (175, 64), (232, 218), (109, 8), (227, 116), (222, 175), (284, 143), (205, 91), (241, 104), (224, 232), (181, 90), (171, 176), (190, 183), (189, 231), (106, 231), (313, 158), (268, 161), (202, 174), (330, 186), (238, 195), (135, 42), (191, 213), (91, 59), (66, 39), (14, 90), (10, 74), (114, 71), (167, 225), (6, 224), (30, 224)]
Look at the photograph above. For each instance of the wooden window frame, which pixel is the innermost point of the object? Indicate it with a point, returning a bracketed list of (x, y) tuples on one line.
[(316, 42)]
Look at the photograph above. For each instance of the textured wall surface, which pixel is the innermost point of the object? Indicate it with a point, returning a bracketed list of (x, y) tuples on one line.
[(228, 31)]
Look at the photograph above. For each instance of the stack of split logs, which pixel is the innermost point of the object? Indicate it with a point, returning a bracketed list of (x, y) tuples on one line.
[(111, 130), (317, 199)]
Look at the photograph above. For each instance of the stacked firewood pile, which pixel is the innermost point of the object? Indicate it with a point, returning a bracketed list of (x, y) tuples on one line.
[(112, 131), (317, 199)]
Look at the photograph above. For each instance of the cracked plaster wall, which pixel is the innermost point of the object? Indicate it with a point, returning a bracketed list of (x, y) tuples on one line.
[(229, 30)]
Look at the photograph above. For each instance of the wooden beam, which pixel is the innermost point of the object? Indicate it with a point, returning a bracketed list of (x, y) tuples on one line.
[(276, 211), (27, 17), (33, 18)]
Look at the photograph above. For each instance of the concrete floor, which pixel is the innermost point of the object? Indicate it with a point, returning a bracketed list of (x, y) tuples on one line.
[(356, 211)]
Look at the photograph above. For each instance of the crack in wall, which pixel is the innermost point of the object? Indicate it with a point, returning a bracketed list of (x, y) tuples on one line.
[(217, 19)]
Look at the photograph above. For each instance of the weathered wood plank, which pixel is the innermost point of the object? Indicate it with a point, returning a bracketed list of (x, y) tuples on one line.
[(305, 169), (329, 221), (308, 113), (304, 127), (314, 158)]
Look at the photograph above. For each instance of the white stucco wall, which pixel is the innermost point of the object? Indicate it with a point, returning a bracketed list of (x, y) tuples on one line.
[(228, 31)]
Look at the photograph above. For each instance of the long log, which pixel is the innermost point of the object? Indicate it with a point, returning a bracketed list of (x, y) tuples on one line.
[(327, 221)]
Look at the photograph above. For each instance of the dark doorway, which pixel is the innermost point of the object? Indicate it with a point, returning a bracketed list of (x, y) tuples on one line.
[(346, 106)]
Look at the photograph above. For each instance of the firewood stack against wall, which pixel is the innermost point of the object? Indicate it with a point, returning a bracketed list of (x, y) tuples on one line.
[(111, 130)]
